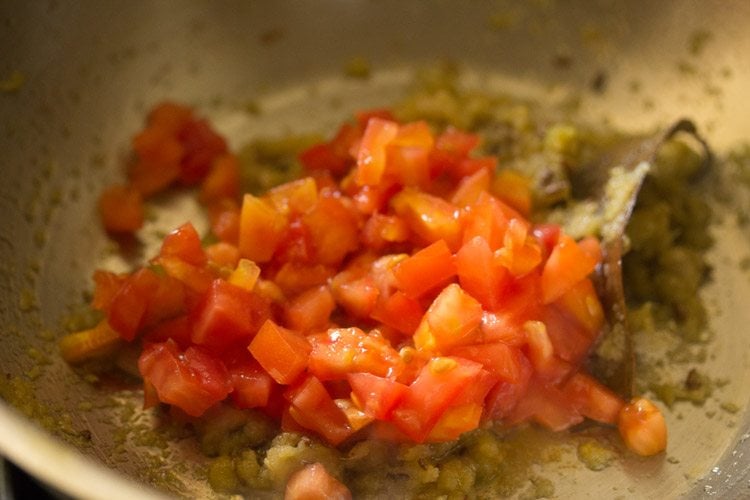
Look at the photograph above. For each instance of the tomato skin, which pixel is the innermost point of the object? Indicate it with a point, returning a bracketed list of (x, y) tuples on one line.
[(282, 353), (429, 268), (228, 315), (377, 396), (192, 380)]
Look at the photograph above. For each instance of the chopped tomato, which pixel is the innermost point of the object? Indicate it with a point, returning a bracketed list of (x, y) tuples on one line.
[(371, 155), (428, 397), (341, 351), (429, 268), (514, 189), (480, 275), (546, 405), (121, 209), (452, 320), (192, 380), (228, 315), (184, 243), (333, 230), (429, 217), (567, 265), (313, 482), (310, 310), (261, 229), (282, 353), (400, 312), (251, 384), (313, 408), (202, 146), (592, 399), (222, 180), (377, 396), (294, 197)]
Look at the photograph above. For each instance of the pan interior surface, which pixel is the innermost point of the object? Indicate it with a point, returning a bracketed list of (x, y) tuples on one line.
[(259, 70)]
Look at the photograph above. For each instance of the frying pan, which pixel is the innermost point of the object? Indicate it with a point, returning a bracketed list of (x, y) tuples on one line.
[(77, 79)]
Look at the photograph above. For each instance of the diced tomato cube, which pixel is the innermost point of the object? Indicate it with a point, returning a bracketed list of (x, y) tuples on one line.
[(222, 180), (438, 384), (371, 156), (313, 408), (546, 405), (340, 351), (251, 384), (488, 217), (314, 482), (514, 189), (400, 312), (223, 254), (569, 340), (282, 353), (566, 266), (381, 230), (192, 380), (185, 244), (471, 187), (129, 304), (310, 310), (592, 399), (106, 286), (430, 217), (520, 253), (121, 209), (479, 274), (357, 296), (582, 304), (452, 320), (294, 197), (505, 395), (377, 396), (497, 358), (198, 279), (333, 230), (429, 268), (228, 315), (202, 146), (293, 277), (261, 229)]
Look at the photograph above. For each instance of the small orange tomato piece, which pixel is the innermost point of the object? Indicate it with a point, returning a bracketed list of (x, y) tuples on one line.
[(282, 353), (566, 266), (261, 229), (222, 180), (371, 155), (642, 427), (514, 189), (311, 309), (428, 268), (121, 209)]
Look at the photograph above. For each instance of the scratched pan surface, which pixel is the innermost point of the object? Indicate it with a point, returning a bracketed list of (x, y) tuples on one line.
[(91, 69)]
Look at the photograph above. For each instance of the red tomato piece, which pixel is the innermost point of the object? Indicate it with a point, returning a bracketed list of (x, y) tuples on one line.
[(121, 209), (224, 216), (371, 156), (282, 353), (314, 409), (452, 320), (261, 229), (497, 358), (333, 230), (294, 197), (178, 329), (438, 384), (377, 396), (488, 218), (294, 277), (251, 384), (431, 218), (502, 327), (465, 412), (106, 286), (228, 315), (184, 243), (357, 296), (310, 310), (170, 116), (520, 253), (223, 254), (514, 189), (547, 236), (129, 304), (592, 399), (202, 146), (566, 266), (400, 312), (546, 405), (323, 156), (471, 187), (569, 340), (582, 304), (340, 351), (192, 380), (504, 396), (451, 147), (313, 482), (428, 268), (198, 279), (222, 181), (479, 274)]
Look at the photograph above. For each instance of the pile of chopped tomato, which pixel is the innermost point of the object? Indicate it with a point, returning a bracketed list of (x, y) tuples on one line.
[(397, 290)]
